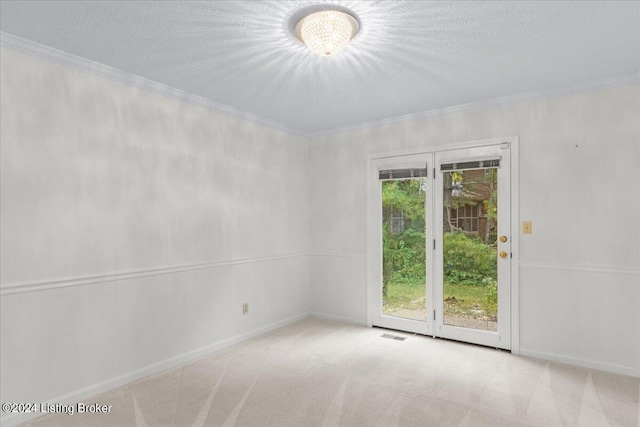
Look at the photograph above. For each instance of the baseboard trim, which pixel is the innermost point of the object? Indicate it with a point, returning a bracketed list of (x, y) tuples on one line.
[(19, 288), (334, 318), (96, 389), (583, 363)]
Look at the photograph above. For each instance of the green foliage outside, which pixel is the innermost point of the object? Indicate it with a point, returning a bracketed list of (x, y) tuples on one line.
[(404, 253), (404, 256), (469, 264), (468, 261)]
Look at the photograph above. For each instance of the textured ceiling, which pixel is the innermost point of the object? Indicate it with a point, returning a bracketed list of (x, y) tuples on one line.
[(409, 56)]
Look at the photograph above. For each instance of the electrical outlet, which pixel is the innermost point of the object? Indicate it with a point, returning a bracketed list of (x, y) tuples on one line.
[(245, 308), (526, 227)]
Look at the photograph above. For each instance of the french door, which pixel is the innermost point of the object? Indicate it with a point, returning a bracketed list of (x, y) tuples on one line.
[(442, 244)]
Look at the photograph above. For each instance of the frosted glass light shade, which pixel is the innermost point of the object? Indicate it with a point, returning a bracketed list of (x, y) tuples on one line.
[(327, 32)]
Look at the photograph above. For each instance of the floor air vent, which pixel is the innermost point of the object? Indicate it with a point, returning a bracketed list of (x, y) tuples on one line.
[(394, 337)]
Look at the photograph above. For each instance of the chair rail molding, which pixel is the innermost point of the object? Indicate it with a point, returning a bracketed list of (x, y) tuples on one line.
[(585, 268), (18, 288)]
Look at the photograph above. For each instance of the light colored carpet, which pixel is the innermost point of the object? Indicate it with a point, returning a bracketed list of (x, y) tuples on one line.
[(321, 373)]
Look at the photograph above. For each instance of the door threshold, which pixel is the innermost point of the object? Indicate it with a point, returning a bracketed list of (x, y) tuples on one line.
[(439, 338)]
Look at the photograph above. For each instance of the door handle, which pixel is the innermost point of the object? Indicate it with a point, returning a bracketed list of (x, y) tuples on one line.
[(503, 254)]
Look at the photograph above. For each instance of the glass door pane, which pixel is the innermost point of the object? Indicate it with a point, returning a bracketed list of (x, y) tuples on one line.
[(404, 290), (470, 273), (440, 256)]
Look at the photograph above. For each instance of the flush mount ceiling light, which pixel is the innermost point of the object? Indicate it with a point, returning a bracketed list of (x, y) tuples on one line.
[(327, 32)]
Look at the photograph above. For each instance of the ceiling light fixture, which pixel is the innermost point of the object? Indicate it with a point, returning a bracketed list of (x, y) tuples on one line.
[(327, 32)]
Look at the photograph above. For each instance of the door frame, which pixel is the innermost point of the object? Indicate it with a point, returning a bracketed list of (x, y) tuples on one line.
[(373, 262)]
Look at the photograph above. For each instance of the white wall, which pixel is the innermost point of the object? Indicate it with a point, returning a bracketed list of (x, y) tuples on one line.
[(134, 227), (579, 270)]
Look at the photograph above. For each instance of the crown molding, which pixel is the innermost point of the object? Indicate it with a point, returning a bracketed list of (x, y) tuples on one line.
[(56, 56), (504, 101), (40, 51)]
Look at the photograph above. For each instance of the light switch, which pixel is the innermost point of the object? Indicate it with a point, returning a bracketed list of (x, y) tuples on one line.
[(526, 227)]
